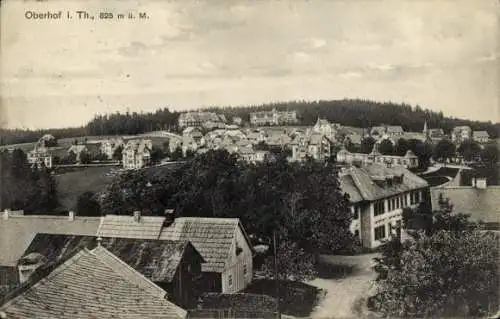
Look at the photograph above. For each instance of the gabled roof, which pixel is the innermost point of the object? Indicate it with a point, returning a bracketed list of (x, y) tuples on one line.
[(148, 227), (17, 232), (91, 284), (360, 183), (212, 237), (157, 260)]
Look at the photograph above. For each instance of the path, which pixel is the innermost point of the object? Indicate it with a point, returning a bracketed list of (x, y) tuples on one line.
[(346, 292)]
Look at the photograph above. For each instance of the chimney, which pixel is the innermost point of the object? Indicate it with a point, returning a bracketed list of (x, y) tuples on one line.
[(137, 216), (71, 216), (169, 217), (6, 213), (480, 182), (28, 265)]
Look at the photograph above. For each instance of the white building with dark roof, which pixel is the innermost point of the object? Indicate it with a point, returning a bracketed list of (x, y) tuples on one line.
[(480, 136), (378, 194), (137, 153)]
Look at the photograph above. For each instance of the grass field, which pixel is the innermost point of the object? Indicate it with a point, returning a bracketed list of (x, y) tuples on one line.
[(72, 184)]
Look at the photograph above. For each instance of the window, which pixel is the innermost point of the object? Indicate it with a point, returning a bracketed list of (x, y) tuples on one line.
[(356, 233), (245, 269), (405, 199), (378, 207), (355, 212), (380, 232), (230, 280), (393, 203)]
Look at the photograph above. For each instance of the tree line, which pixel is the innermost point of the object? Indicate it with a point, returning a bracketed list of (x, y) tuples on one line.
[(25, 187), (348, 112)]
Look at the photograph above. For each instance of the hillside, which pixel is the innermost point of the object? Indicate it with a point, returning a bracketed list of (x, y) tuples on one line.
[(348, 112)]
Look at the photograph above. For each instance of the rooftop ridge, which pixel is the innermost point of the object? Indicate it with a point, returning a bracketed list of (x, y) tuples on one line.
[(149, 286)]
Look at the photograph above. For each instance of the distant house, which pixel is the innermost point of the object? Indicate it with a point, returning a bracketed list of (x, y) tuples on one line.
[(89, 284), (175, 266), (197, 119), (378, 194), (387, 131), (273, 117), (137, 154), (409, 160), (108, 147), (193, 132), (222, 242), (237, 120), (326, 128), (40, 156), (480, 136), (460, 134), (314, 145)]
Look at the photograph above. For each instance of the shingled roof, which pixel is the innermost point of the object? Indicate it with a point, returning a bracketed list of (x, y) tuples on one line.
[(360, 182), (91, 284), (158, 260), (212, 237), (17, 232), (147, 227)]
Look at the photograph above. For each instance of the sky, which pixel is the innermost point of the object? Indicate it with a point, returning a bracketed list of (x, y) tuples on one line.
[(440, 54)]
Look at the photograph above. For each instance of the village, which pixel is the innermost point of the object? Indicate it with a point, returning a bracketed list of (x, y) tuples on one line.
[(207, 267)]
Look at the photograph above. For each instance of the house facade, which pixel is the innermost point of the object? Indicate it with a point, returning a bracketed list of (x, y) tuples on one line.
[(480, 137), (40, 156), (137, 154), (108, 147), (410, 160), (314, 145), (387, 131), (197, 119), (460, 134), (224, 245), (378, 194), (326, 128), (273, 117)]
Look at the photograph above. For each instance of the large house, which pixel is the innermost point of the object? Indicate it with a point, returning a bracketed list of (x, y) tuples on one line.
[(108, 147), (173, 265), (222, 242), (326, 128), (480, 136), (197, 119), (40, 156), (378, 194), (311, 144), (87, 284), (387, 131), (460, 134), (137, 154), (273, 117), (409, 160)]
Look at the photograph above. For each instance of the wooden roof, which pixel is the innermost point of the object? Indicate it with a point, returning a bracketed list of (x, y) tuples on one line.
[(91, 284)]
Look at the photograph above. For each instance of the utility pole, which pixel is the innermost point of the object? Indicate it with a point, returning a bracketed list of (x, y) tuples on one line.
[(278, 312)]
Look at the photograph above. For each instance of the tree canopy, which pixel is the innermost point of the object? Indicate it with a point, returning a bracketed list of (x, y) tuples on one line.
[(449, 269), (24, 187), (302, 203)]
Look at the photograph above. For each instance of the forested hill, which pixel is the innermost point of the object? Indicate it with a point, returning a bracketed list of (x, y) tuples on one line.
[(360, 113), (364, 113)]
